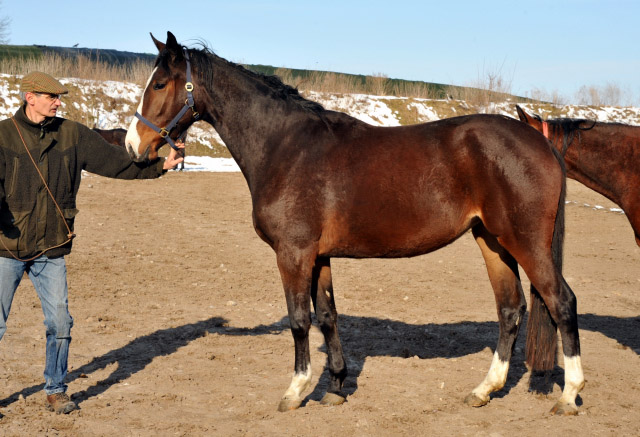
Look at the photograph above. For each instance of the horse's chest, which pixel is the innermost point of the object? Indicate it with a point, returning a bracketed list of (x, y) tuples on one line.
[(285, 219)]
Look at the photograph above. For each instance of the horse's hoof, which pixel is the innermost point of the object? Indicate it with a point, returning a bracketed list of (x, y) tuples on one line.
[(289, 404), (474, 400), (332, 399), (564, 409)]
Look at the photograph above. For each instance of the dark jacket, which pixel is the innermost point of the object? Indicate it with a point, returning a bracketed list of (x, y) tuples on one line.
[(29, 220)]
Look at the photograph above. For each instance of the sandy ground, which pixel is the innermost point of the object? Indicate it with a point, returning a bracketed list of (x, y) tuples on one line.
[(181, 328)]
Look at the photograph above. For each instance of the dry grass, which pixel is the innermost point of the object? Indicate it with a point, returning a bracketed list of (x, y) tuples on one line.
[(415, 90), (481, 95), (328, 82), (80, 66), (489, 88), (378, 84)]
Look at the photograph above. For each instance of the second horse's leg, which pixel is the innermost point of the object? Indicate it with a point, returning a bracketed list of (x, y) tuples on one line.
[(323, 301), (511, 306)]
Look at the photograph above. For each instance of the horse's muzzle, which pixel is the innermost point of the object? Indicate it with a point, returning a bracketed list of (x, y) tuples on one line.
[(142, 158)]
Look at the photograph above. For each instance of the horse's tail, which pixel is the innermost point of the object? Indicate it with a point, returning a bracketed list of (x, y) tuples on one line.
[(542, 338)]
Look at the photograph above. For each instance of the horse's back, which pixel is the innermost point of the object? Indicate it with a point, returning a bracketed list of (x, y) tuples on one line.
[(462, 160)]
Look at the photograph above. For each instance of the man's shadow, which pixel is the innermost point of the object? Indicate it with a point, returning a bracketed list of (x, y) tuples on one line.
[(362, 337), (132, 358)]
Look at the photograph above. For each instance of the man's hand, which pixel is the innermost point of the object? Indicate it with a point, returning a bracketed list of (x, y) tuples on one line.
[(174, 157)]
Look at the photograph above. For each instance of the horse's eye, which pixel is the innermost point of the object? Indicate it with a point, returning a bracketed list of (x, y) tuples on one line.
[(158, 86)]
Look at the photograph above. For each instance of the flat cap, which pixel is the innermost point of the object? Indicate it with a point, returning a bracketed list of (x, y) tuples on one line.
[(38, 82)]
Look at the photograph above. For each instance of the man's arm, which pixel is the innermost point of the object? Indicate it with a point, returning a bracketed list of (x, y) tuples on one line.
[(3, 171), (102, 158)]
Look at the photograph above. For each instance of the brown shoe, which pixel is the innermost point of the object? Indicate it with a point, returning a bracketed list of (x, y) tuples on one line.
[(60, 403)]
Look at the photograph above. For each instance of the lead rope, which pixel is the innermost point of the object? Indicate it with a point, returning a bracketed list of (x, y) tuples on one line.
[(70, 235)]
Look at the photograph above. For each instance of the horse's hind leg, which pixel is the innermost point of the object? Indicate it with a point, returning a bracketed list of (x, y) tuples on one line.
[(511, 306), (560, 305), (323, 301), (296, 271)]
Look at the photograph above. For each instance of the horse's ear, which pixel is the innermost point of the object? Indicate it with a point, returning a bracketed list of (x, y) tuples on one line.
[(529, 119), (172, 43), (159, 44), (171, 39), (521, 114), (174, 48)]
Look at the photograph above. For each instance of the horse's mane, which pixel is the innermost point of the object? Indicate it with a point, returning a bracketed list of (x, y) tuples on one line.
[(203, 61), (569, 127)]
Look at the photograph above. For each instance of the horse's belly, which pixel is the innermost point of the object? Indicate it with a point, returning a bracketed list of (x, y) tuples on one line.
[(395, 235)]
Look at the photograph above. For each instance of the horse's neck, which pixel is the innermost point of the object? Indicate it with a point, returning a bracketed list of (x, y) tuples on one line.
[(250, 121), (605, 162)]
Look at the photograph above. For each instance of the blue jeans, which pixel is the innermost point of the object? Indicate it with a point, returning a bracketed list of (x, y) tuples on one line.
[(49, 277)]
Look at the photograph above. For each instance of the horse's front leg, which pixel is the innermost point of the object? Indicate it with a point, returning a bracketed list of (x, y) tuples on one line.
[(295, 272)]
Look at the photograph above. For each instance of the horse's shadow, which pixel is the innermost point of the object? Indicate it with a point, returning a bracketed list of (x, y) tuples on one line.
[(362, 337), (366, 337), (626, 331)]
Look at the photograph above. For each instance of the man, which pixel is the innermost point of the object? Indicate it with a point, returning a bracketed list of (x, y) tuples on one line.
[(41, 159)]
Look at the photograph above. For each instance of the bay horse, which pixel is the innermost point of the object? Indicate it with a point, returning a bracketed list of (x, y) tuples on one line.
[(602, 156), (113, 136), (324, 184)]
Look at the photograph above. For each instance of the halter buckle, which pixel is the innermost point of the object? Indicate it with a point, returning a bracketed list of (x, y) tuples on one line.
[(188, 86), (163, 133)]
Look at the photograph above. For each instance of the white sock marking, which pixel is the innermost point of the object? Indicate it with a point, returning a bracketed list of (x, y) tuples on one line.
[(495, 379), (299, 383), (573, 379)]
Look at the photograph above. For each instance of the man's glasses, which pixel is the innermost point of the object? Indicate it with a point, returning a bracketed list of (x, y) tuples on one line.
[(51, 97)]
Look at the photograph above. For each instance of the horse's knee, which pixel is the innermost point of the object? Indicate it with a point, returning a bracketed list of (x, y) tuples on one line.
[(300, 322), (326, 319), (565, 309), (512, 317)]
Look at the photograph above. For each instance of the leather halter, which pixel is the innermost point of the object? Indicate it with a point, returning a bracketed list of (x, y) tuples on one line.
[(188, 104)]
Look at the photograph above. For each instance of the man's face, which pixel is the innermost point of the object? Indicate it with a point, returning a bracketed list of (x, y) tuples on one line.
[(43, 105)]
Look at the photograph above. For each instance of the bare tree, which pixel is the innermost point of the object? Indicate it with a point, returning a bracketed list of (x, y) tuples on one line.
[(611, 95), (4, 28)]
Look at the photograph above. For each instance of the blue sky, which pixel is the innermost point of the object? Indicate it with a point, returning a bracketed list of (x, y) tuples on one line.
[(550, 45)]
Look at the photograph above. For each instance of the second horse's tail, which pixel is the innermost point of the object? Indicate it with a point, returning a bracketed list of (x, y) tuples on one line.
[(542, 338)]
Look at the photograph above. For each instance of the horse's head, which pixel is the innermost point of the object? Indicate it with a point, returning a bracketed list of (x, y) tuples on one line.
[(167, 106)]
